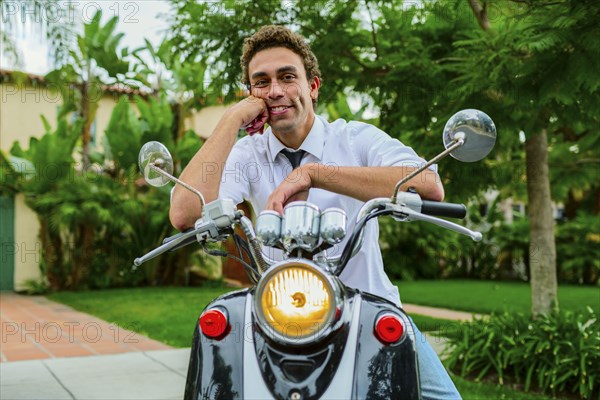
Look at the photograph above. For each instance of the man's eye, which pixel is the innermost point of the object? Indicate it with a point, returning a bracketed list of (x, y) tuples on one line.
[(259, 84), (288, 77)]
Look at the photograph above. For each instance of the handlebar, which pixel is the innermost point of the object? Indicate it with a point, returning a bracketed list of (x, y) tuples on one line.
[(221, 215), (169, 244), (218, 217), (185, 242), (412, 206), (440, 209)]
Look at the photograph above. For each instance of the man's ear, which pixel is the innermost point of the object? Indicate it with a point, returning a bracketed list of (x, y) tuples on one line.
[(315, 83)]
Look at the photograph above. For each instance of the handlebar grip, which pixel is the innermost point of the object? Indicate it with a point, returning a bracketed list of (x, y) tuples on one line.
[(441, 209)]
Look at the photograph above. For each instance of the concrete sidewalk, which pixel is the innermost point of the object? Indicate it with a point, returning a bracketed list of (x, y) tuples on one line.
[(51, 351), (436, 312), (34, 327), (139, 375), (152, 375)]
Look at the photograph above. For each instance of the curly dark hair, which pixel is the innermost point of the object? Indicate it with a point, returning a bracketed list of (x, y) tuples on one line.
[(278, 36)]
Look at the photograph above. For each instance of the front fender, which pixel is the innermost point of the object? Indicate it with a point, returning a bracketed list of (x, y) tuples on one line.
[(351, 363), (213, 371), (384, 371)]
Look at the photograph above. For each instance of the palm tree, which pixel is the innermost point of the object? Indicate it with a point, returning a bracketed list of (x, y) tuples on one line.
[(95, 61)]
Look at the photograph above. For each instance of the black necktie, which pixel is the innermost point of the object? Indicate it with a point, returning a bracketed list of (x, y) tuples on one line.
[(294, 156)]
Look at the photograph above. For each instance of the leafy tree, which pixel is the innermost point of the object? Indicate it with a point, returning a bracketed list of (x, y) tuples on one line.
[(539, 65), (578, 249), (384, 53), (531, 68), (95, 63), (181, 82)]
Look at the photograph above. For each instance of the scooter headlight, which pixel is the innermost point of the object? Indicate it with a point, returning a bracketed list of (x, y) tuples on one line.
[(295, 302)]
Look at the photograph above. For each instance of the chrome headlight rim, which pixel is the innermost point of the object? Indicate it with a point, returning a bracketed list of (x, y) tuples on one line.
[(333, 315)]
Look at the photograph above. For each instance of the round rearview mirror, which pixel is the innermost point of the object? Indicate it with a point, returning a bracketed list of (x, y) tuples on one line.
[(154, 155), (477, 130)]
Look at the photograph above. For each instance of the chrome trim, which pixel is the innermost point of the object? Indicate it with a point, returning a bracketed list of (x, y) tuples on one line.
[(300, 226), (268, 227), (333, 225)]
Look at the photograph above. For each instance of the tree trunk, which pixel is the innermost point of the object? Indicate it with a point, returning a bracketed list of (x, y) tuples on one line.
[(52, 255), (86, 130), (480, 13), (542, 247)]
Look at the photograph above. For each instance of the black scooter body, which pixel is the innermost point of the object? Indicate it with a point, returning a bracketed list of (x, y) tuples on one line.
[(373, 369)]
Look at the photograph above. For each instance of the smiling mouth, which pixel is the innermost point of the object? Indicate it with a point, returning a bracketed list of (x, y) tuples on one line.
[(278, 109)]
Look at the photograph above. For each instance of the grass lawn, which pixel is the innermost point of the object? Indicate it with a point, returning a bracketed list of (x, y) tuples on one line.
[(170, 314), (479, 391), (430, 324), (165, 314), (488, 296)]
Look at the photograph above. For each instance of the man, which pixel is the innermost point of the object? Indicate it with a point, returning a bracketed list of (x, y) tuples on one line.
[(342, 164)]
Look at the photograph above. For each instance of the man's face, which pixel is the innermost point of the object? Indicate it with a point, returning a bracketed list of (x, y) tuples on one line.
[(278, 77)]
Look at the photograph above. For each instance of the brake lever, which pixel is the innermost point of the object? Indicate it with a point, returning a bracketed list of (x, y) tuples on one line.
[(167, 246), (403, 213)]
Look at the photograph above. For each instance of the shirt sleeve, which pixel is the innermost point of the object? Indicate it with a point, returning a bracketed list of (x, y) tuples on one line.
[(372, 147), (234, 184)]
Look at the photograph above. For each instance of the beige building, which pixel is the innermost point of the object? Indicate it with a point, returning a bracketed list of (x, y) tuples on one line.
[(23, 100)]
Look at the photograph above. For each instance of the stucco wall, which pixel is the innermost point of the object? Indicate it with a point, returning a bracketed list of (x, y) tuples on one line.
[(203, 122), (20, 111), (28, 245), (21, 108)]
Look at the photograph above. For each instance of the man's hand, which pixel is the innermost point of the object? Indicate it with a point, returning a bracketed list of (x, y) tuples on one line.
[(252, 112), (294, 187)]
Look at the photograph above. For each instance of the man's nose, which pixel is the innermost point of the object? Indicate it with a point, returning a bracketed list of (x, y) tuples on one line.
[(276, 91)]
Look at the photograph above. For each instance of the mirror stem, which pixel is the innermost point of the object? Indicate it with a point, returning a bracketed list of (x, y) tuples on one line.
[(459, 140), (180, 182)]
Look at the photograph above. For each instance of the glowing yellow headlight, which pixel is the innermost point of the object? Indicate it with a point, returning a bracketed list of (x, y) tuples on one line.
[(296, 301)]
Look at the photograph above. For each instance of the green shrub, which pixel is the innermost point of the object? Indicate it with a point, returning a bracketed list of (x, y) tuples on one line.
[(578, 249), (559, 352), (36, 286), (407, 249), (419, 250)]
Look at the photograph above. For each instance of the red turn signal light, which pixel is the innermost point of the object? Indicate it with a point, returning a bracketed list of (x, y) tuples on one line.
[(389, 328), (213, 323)]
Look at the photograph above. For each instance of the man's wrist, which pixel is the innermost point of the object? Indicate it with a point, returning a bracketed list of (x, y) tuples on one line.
[(232, 120), (312, 172)]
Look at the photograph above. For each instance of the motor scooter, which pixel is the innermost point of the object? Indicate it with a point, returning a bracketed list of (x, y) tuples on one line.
[(299, 332)]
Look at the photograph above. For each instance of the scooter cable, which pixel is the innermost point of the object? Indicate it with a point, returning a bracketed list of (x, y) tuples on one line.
[(360, 225), (221, 253), (250, 268)]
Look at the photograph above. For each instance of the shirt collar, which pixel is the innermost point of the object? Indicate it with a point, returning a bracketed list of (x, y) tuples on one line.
[(313, 143)]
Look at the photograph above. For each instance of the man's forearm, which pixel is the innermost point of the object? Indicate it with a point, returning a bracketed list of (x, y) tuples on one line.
[(365, 183), (203, 173), (206, 168)]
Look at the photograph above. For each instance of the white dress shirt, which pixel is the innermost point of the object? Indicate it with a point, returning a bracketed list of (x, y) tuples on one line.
[(255, 168)]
